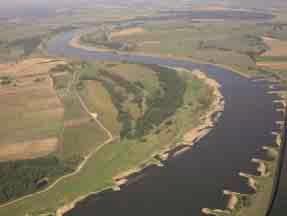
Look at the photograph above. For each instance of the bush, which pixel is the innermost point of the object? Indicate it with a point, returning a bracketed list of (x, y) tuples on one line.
[(6, 80)]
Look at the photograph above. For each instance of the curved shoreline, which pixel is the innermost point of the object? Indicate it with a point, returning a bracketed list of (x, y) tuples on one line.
[(75, 42), (189, 139)]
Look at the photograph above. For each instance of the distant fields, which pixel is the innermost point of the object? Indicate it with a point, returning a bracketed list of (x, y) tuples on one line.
[(122, 94), (222, 43), (238, 46)]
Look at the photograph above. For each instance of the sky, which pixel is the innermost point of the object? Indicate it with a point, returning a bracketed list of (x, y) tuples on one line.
[(12, 8), (17, 3)]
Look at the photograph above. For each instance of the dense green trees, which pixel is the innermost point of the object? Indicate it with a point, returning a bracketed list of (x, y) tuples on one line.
[(18, 178), (165, 102)]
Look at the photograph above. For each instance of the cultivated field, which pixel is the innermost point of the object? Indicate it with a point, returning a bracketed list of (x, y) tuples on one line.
[(31, 110)]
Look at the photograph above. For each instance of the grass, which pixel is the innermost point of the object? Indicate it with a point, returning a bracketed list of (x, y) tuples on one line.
[(99, 101), (81, 140), (73, 109), (116, 158)]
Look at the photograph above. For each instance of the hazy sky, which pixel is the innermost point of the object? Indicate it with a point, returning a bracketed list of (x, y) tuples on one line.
[(28, 7), (45, 3), (11, 8), (35, 2)]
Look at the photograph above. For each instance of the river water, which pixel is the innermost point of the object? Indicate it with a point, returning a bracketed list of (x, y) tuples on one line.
[(196, 178)]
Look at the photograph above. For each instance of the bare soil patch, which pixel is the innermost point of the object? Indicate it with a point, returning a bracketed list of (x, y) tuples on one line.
[(277, 47)]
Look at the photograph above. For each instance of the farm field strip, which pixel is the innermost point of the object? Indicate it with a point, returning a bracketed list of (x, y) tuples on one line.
[(31, 109), (82, 164)]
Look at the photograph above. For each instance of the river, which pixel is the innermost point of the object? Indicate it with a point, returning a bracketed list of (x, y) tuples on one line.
[(196, 178)]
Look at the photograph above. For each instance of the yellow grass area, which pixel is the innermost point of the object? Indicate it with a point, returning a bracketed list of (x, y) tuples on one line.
[(277, 47), (29, 149), (31, 113), (127, 32), (273, 65), (99, 101)]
